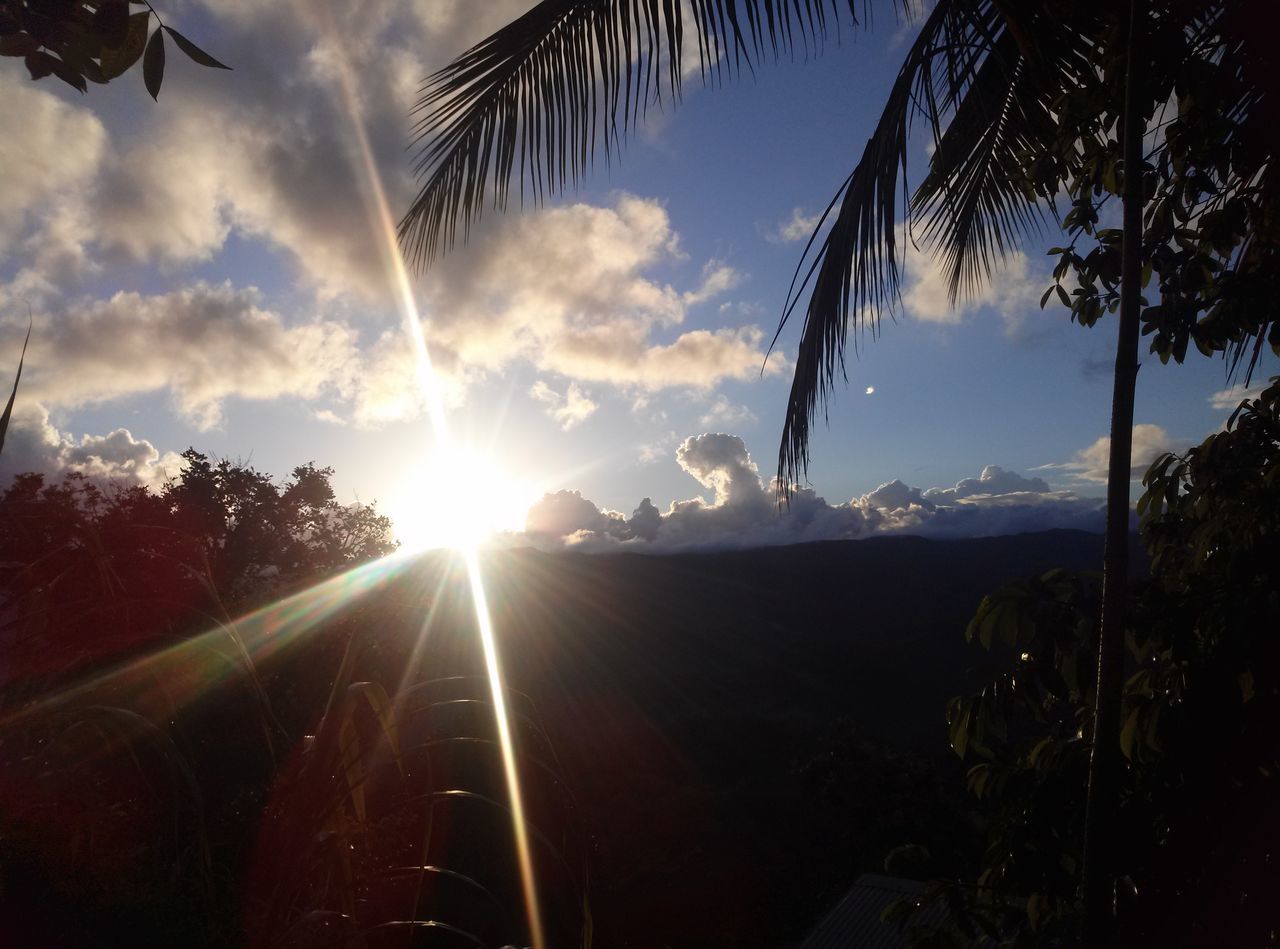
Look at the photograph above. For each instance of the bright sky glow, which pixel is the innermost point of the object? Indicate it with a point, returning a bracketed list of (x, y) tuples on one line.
[(458, 502)]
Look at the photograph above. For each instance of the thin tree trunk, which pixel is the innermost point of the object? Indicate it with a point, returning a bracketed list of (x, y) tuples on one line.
[(1101, 832)]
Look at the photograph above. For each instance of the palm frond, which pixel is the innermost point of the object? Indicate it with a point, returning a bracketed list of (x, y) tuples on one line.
[(536, 102), (854, 270), (983, 76)]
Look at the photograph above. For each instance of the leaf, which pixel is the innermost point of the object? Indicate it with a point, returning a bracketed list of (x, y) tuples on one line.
[(1129, 733), (153, 64), (40, 64), (18, 44), (111, 23), (8, 409), (194, 52), (118, 61)]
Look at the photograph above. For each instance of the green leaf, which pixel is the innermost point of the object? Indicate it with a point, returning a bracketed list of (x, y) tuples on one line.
[(194, 52), (8, 409), (153, 64), (118, 61)]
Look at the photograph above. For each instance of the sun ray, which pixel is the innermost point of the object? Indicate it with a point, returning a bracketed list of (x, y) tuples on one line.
[(429, 383)]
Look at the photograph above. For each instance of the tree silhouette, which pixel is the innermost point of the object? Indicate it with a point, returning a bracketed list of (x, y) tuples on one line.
[(92, 575), (1023, 102)]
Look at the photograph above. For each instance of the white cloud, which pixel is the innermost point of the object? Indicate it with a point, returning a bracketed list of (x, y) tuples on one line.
[(567, 290), (268, 155), (724, 414), (1227, 400), (1149, 443), (717, 278), (1012, 292), (994, 480), (203, 345), (798, 227), (49, 151), (569, 408), (34, 444), (743, 513)]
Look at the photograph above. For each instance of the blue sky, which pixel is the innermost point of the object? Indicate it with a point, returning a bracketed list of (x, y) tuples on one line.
[(204, 271)]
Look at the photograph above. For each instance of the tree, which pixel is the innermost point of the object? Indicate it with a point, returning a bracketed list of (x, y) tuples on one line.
[(84, 41), (1199, 709), (92, 575), (1023, 101)]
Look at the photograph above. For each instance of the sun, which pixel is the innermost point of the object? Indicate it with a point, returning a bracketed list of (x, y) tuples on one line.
[(459, 501)]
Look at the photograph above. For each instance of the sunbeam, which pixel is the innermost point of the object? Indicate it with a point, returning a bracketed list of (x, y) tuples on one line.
[(448, 456)]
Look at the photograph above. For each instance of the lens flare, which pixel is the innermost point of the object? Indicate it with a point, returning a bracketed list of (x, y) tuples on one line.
[(448, 455)]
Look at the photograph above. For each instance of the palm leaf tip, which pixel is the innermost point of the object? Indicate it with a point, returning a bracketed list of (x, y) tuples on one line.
[(13, 395)]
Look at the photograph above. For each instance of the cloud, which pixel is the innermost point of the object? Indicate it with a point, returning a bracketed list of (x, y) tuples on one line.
[(1149, 443), (717, 278), (798, 227), (568, 290), (1012, 291), (994, 480), (722, 412), (263, 164), (742, 511), (1228, 400), (34, 444), (60, 146), (201, 345), (569, 409)]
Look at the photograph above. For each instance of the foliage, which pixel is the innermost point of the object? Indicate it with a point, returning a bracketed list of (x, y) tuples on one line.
[(1200, 710), (128, 790), (1209, 243), (83, 41), (260, 537)]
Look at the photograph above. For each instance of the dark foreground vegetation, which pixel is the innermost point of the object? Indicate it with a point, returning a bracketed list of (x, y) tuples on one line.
[(713, 746)]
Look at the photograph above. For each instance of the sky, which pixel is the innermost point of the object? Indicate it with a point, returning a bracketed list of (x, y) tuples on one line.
[(207, 270)]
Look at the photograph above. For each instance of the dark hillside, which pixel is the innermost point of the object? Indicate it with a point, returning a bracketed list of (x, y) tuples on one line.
[(744, 731)]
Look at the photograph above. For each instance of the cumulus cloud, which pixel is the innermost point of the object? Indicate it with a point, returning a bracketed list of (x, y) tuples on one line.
[(60, 146), (994, 480), (742, 510), (1149, 443), (201, 345), (264, 161), (205, 344), (34, 444), (568, 289)]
